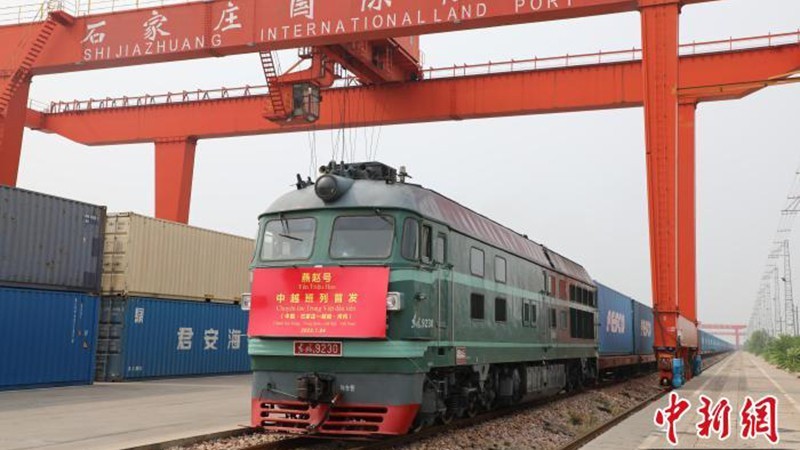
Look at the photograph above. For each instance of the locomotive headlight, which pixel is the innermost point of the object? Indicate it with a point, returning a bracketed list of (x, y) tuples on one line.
[(245, 301), (394, 301), (330, 187), (327, 188)]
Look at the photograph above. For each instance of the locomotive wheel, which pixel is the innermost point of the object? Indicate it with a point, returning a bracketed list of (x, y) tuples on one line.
[(417, 425), (447, 417), (574, 382), (474, 405)]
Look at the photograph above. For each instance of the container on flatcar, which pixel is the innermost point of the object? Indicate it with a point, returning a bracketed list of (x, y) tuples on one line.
[(149, 338), (616, 330), (711, 344), (47, 338), (49, 242), (155, 258), (643, 329)]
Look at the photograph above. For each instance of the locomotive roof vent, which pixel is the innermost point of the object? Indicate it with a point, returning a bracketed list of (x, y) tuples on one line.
[(375, 171)]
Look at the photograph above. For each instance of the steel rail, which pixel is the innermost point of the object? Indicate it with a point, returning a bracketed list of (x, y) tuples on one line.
[(484, 417), (299, 442)]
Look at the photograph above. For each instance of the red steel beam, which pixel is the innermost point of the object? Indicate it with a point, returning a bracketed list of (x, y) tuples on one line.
[(12, 125), (686, 214), (675, 333), (605, 86), (174, 174), (203, 29), (706, 326)]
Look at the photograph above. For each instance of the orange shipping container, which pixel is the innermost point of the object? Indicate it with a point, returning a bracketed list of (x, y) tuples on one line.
[(143, 256)]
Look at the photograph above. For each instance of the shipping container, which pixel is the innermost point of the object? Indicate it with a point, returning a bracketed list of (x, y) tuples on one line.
[(615, 311), (710, 344), (47, 338), (643, 332), (149, 257), (149, 338), (48, 242)]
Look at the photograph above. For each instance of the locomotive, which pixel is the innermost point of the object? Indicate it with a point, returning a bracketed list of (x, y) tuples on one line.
[(379, 306)]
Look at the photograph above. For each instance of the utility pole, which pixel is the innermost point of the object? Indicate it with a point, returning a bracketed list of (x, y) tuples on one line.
[(776, 301), (790, 324), (766, 296)]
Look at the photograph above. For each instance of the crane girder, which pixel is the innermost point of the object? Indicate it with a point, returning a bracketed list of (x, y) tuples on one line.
[(228, 27)]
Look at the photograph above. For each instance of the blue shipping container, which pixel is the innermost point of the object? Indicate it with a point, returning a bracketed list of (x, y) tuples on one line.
[(47, 338), (643, 328), (713, 344), (147, 337), (615, 312)]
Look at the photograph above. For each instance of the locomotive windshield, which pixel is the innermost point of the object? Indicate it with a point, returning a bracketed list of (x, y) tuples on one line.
[(287, 239), (362, 237)]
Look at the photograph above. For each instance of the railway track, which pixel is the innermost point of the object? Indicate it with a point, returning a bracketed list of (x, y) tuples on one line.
[(602, 428), (291, 443), (296, 443)]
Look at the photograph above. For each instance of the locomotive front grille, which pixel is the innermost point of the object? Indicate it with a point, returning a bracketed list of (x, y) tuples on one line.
[(299, 417), (294, 416), (355, 419)]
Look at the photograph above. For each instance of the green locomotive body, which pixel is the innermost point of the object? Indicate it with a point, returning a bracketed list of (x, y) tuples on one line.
[(476, 314)]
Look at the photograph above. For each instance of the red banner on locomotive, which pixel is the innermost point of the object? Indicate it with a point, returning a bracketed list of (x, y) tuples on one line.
[(335, 302)]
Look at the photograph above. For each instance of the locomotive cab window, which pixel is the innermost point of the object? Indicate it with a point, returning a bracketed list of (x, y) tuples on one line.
[(288, 239), (362, 237), (476, 307), (440, 249), (499, 269), (410, 249), (476, 261), (427, 244)]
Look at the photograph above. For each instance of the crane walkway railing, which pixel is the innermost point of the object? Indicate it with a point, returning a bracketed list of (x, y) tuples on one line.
[(593, 59), (32, 12)]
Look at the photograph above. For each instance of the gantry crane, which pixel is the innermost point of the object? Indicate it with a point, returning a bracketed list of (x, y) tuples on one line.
[(376, 41)]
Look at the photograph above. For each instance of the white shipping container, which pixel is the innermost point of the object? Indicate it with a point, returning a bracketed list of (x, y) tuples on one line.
[(143, 256)]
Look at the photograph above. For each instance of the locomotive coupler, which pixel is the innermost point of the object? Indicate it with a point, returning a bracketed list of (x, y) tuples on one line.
[(315, 388)]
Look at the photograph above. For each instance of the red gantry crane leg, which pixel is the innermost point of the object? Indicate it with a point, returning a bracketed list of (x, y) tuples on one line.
[(687, 219), (12, 125), (14, 86), (174, 172), (676, 334)]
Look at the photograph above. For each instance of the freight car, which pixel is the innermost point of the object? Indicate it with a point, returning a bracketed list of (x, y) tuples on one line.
[(713, 345), (626, 333)]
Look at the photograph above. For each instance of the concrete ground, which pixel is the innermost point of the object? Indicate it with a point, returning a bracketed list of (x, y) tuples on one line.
[(122, 415), (740, 375)]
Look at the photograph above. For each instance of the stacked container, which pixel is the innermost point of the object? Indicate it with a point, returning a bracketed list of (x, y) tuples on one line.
[(50, 261), (170, 295)]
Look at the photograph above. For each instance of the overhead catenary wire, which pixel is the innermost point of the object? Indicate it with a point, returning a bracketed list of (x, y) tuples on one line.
[(774, 320)]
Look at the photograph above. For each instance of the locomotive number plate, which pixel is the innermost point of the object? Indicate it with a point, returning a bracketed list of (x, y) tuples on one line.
[(317, 348)]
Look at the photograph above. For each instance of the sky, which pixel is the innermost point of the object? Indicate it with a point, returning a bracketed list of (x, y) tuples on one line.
[(574, 182)]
